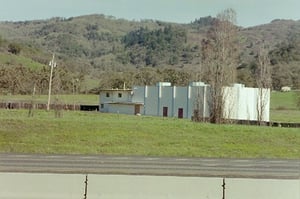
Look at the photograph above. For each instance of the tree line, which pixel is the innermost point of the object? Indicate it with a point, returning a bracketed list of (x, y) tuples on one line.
[(23, 80)]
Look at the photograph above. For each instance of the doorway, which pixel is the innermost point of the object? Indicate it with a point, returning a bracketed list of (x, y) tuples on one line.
[(137, 109), (180, 113), (165, 111)]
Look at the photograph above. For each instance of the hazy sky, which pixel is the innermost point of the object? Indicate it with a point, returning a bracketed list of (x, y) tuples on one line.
[(249, 12)]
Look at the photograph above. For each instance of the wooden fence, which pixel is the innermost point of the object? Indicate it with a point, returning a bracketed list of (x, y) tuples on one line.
[(26, 105)]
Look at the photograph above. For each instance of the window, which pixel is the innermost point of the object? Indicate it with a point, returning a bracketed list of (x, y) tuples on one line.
[(102, 105), (119, 95), (107, 94)]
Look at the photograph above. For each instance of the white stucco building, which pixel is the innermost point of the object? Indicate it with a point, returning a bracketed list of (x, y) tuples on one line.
[(241, 103)]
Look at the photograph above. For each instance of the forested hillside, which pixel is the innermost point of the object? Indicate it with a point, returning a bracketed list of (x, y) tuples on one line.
[(97, 51)]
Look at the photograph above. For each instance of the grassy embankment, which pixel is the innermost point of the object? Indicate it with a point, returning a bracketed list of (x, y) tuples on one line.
[(96, 133)]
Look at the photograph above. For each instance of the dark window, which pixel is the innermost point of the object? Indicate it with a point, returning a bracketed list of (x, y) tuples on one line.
[(180, 113), (102, 105), (120, 95), (165, 111), (107, 94)]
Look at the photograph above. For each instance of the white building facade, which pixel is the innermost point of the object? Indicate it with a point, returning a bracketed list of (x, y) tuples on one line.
[(240, 102)]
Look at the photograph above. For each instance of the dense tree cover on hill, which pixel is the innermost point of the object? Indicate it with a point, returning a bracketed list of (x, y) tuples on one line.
[(156, 47), (285, 60), (104, 52), (203, 22)]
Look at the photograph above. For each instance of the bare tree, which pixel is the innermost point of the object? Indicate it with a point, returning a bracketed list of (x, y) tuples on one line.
[(298, 99), (219, 60), (263, 81)]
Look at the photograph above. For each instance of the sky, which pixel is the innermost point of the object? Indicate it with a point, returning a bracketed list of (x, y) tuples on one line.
[(249, 12)]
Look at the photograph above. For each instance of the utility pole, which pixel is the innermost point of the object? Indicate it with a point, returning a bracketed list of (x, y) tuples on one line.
[(223, 185), (74, 90), (52, 64), (86, 186)]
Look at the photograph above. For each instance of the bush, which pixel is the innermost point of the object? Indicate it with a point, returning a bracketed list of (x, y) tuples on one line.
[(14, 48)]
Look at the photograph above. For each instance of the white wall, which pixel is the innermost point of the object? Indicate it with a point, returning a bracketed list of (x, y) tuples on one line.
[(113, 97), (138, 94), (240, 102), (200, 100), (180, 101), (165, 100), (151, 101), (247, 104), (121, 108), (265, 93)]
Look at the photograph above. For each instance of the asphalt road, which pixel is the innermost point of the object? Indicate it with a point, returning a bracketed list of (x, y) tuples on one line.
[(243, 168)]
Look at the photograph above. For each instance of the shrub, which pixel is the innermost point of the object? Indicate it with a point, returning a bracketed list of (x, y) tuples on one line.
[(14, 48)]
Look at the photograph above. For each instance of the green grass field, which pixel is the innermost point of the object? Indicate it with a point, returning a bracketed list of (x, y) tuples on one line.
[(99, 133), (283, 107), (284, 101)]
